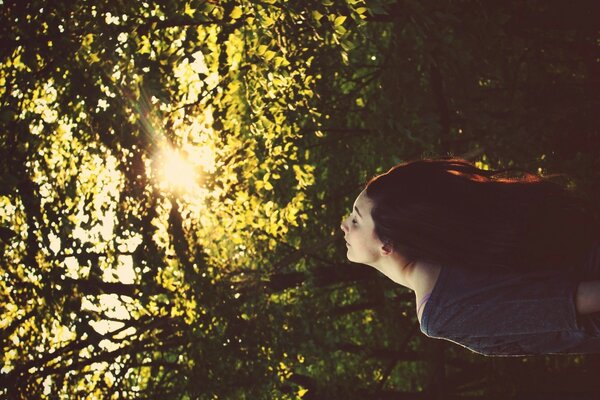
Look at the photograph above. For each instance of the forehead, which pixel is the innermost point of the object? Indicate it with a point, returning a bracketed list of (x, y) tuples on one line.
[(362, 201)]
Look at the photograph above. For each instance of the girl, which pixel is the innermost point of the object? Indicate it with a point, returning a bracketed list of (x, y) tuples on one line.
[(501, 266)]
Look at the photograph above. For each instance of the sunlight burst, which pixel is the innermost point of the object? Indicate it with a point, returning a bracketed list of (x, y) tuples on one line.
[(176, 172)]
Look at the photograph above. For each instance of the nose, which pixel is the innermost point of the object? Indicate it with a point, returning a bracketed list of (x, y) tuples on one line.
[(343, 225)]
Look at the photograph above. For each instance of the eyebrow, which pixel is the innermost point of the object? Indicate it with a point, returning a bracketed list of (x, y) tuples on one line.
[(358, 212)]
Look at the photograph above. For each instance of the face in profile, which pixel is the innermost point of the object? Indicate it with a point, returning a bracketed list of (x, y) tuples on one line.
[(362, 244)]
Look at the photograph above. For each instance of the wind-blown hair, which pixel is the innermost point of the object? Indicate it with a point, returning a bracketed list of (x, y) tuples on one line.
[(448, 211)]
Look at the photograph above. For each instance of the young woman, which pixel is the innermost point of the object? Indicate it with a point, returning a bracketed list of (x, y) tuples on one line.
[(499, 265)]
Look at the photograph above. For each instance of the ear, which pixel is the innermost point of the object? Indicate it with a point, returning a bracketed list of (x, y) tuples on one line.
[(386, 248)]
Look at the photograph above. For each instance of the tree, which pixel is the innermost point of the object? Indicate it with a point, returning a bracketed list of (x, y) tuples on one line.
[(172, 176)]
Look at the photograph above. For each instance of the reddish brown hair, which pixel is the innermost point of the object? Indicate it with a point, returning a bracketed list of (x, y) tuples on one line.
[(449, 211)]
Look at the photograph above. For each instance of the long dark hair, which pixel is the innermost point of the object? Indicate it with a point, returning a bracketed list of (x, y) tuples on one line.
[(448, 211)]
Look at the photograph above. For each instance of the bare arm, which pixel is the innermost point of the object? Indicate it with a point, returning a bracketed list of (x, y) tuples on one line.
[(587, 299)]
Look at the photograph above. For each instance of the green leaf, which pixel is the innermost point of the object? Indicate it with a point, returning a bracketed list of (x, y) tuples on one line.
[(236, 13), (262, 49), (339, 20), (269, 55)]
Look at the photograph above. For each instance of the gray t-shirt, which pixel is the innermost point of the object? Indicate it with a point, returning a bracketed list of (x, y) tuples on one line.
[(513, 314)]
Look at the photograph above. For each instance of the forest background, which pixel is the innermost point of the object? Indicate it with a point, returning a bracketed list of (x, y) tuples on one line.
[(173, 175)]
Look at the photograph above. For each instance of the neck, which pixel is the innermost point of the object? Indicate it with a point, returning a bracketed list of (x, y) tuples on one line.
[(399, 270)]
